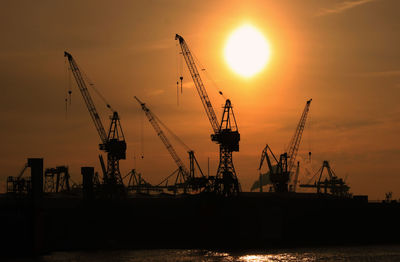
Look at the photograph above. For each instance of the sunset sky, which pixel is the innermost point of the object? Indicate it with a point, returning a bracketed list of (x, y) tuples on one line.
[(345, 55)]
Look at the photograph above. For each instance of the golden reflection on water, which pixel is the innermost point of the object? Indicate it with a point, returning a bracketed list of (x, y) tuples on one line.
[(254, 258), (274, 258), (386, 253)]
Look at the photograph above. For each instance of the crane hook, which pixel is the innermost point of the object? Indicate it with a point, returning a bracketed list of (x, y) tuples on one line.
[(177, 93), (181, 78), (69, 96)]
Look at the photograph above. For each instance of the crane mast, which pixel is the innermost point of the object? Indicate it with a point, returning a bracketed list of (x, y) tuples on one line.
[(113, 142), (294, 144), (225, 134)]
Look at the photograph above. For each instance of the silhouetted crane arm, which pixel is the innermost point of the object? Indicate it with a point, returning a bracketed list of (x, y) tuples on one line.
[(294, 144), (198, 83), (86, 96), (153, 120), (264, 155)]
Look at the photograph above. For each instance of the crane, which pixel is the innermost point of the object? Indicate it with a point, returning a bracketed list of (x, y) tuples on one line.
[(337, 186), (281, 177), (294, 144), (19, 184), (113, 142), (182, 170), (225, 133), (278, 174), (185, 178)]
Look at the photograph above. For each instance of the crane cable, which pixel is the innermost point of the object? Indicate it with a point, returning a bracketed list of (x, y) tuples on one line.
[(202, 69), (87, 80), (68, 91), (179, 74), (172, 133), (208, 75), (309, 136), (91, 84), (141, 135)]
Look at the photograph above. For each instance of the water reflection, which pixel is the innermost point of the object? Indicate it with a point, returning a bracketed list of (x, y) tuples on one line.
[(388, 253), (277, 257)]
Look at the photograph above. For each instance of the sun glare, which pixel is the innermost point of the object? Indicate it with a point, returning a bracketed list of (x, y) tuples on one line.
[(247, 51)]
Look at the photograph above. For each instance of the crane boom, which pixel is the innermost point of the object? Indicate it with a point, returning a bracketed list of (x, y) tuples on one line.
[(152, 119), (198, 83), (294, 144), (86, 96)]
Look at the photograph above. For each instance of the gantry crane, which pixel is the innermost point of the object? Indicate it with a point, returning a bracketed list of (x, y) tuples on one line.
[(337, 186), (113, 142), (225, 134), (184, 179), (19, 184)]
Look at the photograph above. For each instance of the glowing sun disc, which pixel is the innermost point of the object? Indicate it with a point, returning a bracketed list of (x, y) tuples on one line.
[(247, 51)]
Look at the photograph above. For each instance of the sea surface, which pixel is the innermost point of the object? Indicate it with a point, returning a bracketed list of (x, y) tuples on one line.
[(389, 253)]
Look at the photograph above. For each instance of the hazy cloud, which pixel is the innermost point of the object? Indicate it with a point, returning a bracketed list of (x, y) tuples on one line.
[(159, 44), (342, 7), (388, 73), (348, 124), (188, 85), (156, 92)]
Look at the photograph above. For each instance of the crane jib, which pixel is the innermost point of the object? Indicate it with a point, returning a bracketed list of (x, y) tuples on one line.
[(199, 84), (153, 121), (296, 139), (88, 101)]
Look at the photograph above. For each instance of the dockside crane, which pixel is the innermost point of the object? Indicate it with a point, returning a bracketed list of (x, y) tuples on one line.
[(293, 147), (185, 179), (225, 133), (280, 175), (19, 184), (332, 184), (278, 171), (112, 142)]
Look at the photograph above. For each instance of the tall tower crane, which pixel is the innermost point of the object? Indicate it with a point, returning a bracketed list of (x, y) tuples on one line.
[(226, 133), (113, 142), (185, 179)]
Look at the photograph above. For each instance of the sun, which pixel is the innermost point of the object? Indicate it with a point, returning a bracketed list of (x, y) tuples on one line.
[(247, 51)]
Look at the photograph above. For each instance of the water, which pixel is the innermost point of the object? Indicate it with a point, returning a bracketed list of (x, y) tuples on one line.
[(387, 253)]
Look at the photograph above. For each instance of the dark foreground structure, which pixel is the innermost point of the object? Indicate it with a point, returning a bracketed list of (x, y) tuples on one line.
[(38, 223), (250, 220)]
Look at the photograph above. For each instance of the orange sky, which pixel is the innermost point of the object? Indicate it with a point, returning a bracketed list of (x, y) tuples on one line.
[(343, 54)]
